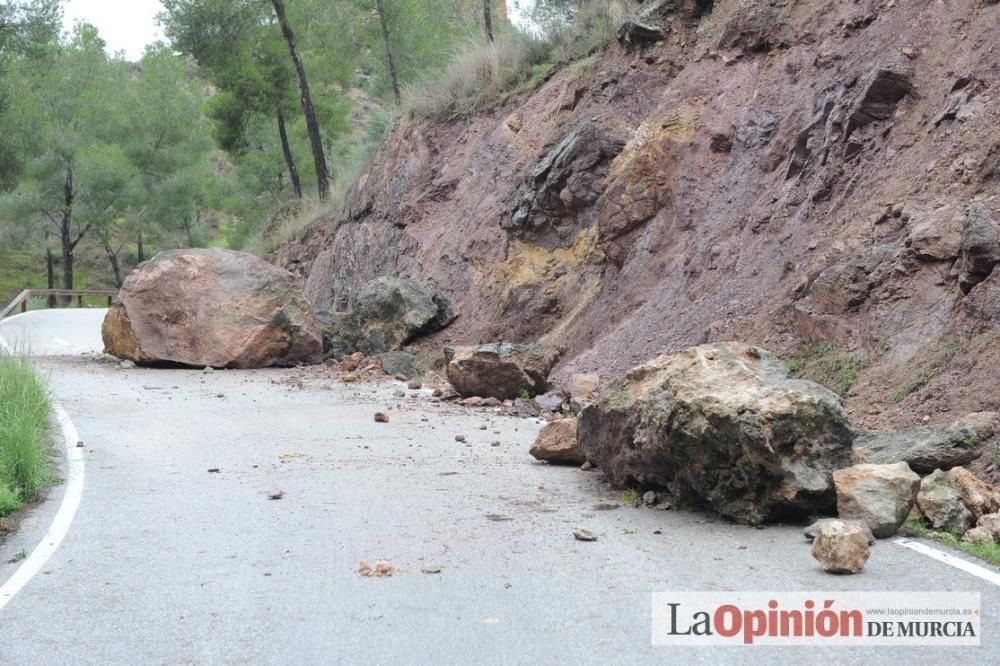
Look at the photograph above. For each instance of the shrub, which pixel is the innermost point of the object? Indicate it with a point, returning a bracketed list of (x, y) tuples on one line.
[(481, 74)]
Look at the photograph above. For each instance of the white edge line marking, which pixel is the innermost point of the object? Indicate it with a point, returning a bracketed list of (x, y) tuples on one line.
[(947, 558), (67, 509)]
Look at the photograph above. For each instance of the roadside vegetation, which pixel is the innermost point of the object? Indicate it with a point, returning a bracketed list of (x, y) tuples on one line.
[(989, 552), (24, 426)]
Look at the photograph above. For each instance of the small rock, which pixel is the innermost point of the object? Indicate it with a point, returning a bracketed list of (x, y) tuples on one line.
[(414, 385), (649, 498), (276, 494), (979, 535), (584, 535), (437, 393), (430, 569), (459, 438), (587, 466), (214, 470), (80, 445), (810, 532), (381, 417), (381, 569), (556, 444), (352, 362), (551, 402), (482, 427), (841, 547), (494, 444), (127, 365), (208, 370), (398, 394), (991, 523), (474, 401)]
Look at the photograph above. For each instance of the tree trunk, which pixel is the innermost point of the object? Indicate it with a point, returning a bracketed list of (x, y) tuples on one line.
[(50, 273), (141, 251), (113, 260), (488, 19), (66, 232), (293, 171), (393, 73), (312, 124)]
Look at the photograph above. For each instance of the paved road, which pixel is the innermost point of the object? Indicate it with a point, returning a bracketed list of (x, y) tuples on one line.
[(55, 332), (167, 563)]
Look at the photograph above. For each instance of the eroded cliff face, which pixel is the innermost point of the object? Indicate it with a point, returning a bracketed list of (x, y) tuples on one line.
[(772, 172)]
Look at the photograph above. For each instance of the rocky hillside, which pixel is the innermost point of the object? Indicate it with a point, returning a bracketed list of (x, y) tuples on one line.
[(818, 178)]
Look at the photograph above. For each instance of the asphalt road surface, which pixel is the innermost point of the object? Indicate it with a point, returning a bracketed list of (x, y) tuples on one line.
[(170, 562)]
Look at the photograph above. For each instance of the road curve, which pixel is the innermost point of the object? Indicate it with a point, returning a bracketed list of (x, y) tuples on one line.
[(168, 562)]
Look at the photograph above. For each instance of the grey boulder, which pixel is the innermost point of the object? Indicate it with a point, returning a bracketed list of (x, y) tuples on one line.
[(879, 495), (723, 424), (388, 313), (926, 448)]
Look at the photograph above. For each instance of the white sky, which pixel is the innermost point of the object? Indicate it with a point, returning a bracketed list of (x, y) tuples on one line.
[(126, 25)]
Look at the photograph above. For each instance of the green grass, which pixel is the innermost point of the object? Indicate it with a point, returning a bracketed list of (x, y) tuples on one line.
[(629, 496), (827, 363), (26, 270), (988, 552), (24, 423)]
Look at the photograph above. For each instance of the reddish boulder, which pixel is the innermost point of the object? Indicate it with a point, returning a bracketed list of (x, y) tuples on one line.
[(212, 308), (501, 370)]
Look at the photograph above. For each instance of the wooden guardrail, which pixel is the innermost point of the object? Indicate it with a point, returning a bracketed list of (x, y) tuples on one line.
[(53, 296)]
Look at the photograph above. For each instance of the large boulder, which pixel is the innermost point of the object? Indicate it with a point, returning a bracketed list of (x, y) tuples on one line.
[(723, 423), (501, 370), (880, 495), (556, 444), (940, 500), (841, 547), (926, 448), (388, 313), (212, 308)]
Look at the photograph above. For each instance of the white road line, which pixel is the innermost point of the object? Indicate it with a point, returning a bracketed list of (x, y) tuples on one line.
[(950, 560), (67, 509)]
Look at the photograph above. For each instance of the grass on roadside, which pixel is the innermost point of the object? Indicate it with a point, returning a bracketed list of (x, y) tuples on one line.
[(24, 425), (988, 552)]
